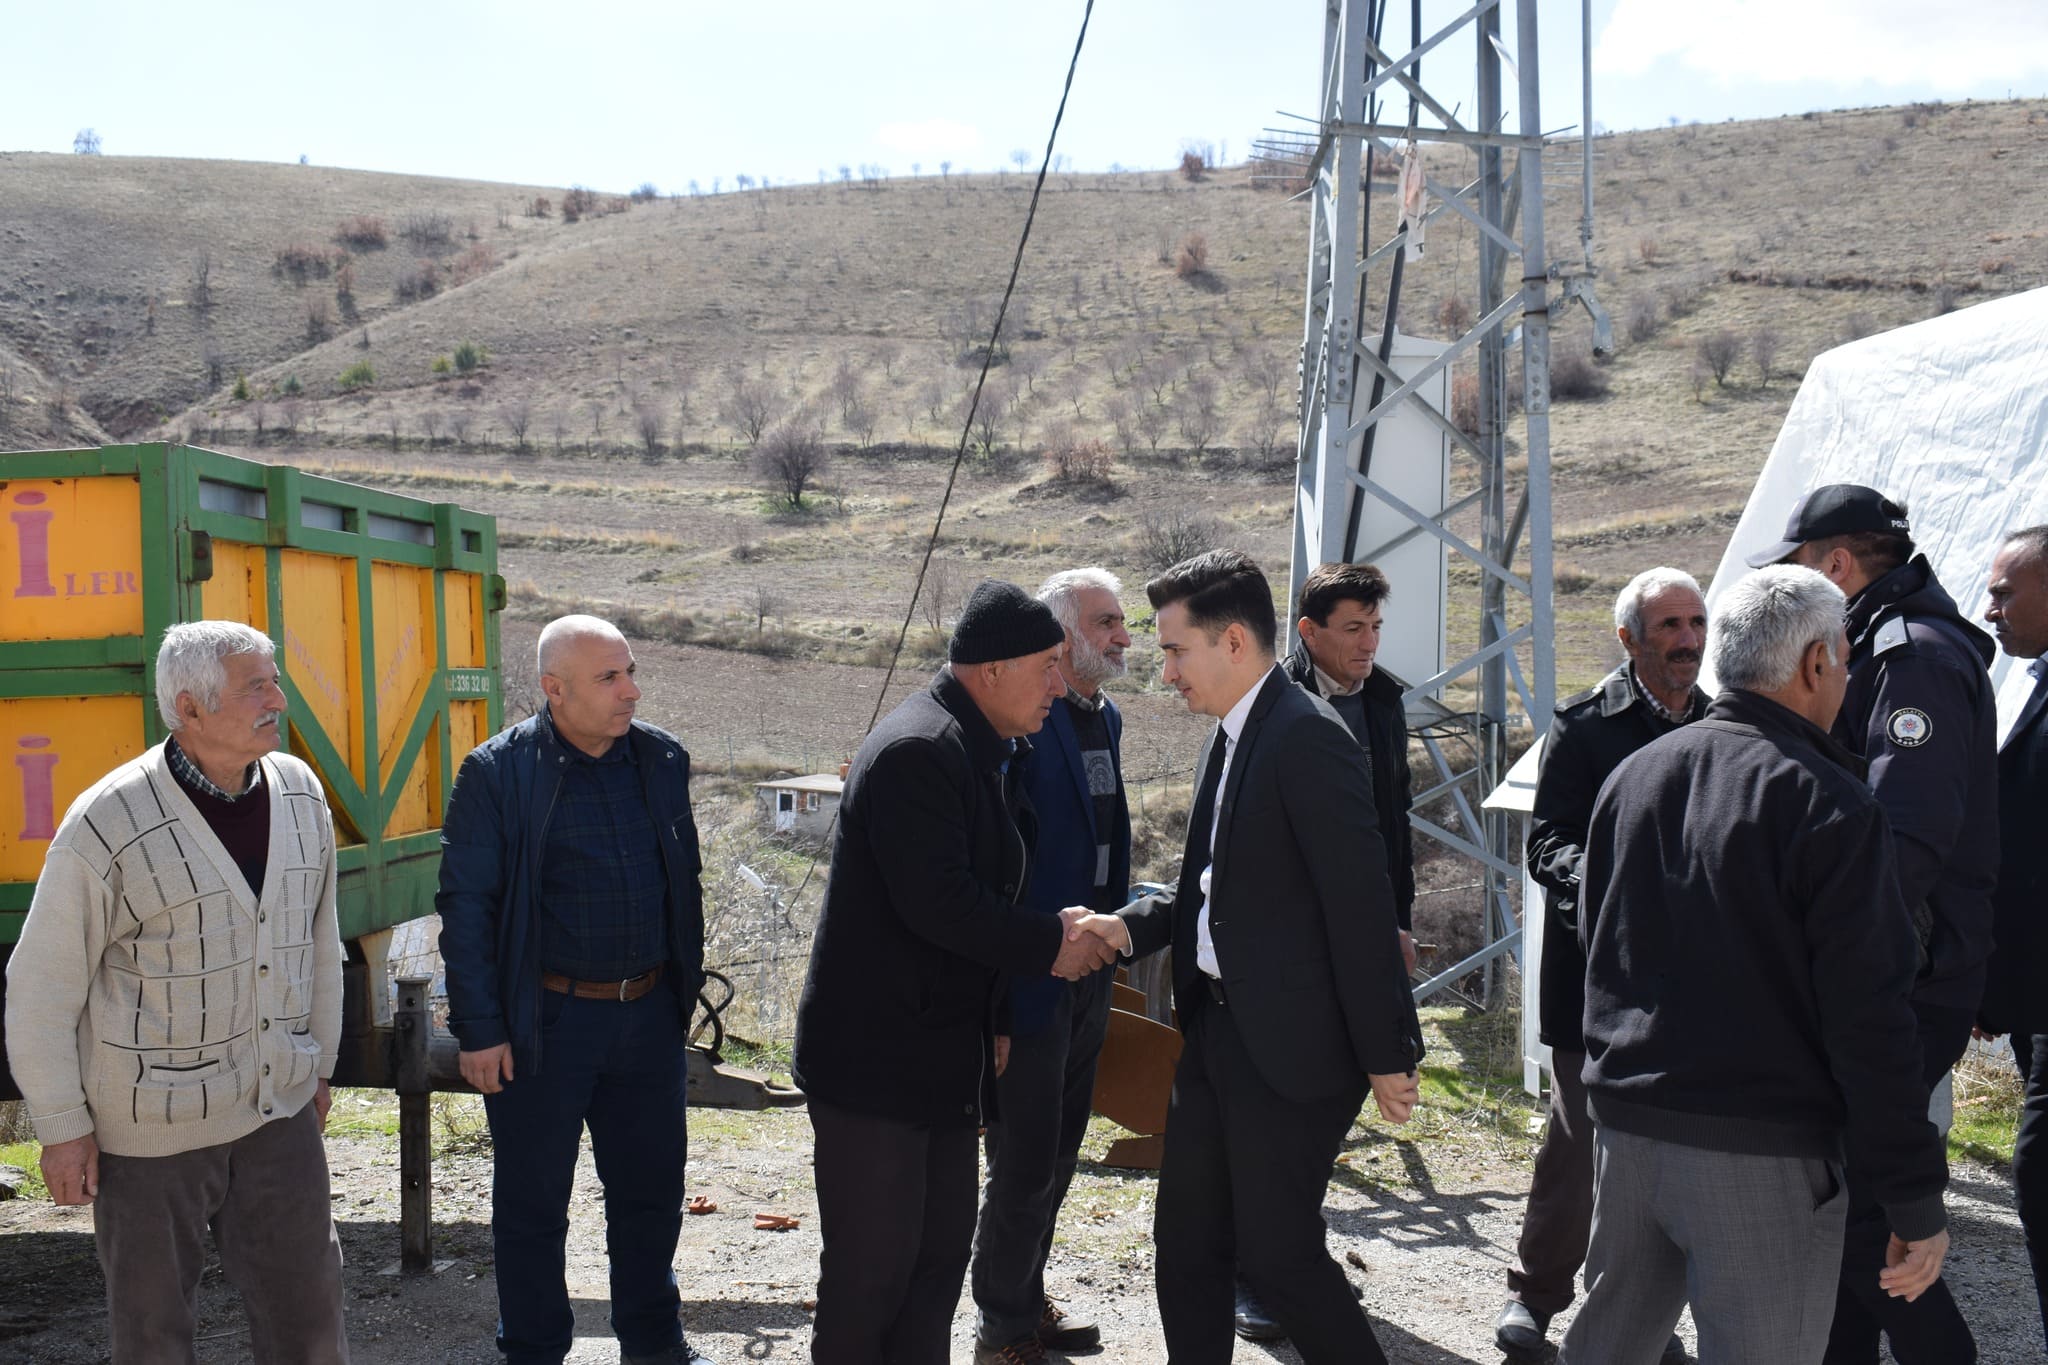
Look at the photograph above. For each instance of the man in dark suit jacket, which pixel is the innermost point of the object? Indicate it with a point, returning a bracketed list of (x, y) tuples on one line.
[(904, 1021), (1288, 977), (2014, 1001), (1074, 778)]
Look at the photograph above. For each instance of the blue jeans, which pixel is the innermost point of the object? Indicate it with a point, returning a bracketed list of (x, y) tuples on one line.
[(619, 1068)]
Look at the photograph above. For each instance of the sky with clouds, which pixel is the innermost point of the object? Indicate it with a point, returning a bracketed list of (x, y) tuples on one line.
[(611, 93)]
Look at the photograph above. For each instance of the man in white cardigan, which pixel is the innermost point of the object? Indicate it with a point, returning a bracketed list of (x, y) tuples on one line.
[(173, 1010)]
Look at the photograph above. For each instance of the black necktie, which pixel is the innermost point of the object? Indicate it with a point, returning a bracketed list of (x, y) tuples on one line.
[(1202, 819)]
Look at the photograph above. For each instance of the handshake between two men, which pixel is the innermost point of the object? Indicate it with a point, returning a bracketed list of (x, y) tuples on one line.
[(1094, 941)]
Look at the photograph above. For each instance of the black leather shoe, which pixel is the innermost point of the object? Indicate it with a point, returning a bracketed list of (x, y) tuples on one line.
[(678, 1354), (1254, 1323), (1519, 1332), (1674, 1352), (1064, 1331)]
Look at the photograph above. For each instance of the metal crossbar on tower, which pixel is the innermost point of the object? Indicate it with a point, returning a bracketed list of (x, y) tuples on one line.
[(1348, 471)]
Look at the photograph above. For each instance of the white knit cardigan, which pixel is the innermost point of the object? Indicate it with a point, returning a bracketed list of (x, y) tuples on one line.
[(152, 1001)]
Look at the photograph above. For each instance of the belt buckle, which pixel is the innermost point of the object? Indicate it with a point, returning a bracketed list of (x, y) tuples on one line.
[(623, 984)]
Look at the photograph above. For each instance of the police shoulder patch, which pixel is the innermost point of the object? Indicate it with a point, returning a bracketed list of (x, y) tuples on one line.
[(1909, 727)]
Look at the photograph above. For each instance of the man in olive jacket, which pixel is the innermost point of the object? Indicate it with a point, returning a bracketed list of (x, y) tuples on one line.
[(903, 1024)]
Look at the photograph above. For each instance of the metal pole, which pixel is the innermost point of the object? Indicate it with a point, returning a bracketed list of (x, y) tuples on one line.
[(1585, 127), (414, 1026)]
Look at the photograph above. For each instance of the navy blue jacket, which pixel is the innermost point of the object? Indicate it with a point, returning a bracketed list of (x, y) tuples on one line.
[(1920, 711), (491, 843), (2014, 1000), (1063, 865)]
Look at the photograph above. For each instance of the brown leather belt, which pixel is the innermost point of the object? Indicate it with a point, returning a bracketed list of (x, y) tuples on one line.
[(632, 988)]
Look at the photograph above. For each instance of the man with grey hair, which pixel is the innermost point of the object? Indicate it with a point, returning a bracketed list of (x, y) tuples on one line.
[(189, 896), (572, 928), (1748, 960), (1074, 780), (1661, 621)]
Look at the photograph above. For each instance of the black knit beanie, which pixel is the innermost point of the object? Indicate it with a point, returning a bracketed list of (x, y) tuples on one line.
[(1002, 621)]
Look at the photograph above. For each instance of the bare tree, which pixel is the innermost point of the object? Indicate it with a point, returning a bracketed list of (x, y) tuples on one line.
[(1165, 537), (216, 363), (989, 416), (860, 420), (1122, 421), (1763, 349), (1029, 365), (430, 425), (517, 415), (1152, 422), (87, 143), (765, 604), (748, 406), (886, 355), (202, 280), (459, 423), (649, 423), (1264, 433), (1195, 413), (558, 427), (1718, 352), (291, 412), (791, 458), (389, 414), (259, 418), (938, 599), (1265, 372)]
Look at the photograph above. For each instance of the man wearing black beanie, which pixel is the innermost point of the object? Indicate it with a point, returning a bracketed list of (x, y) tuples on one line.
[(903, 1024)]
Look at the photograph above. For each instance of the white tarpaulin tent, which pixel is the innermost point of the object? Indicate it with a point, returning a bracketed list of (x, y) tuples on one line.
[(1949, 416)]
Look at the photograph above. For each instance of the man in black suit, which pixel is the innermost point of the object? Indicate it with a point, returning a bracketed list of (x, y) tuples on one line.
[(2013, 999), (1287, 972)]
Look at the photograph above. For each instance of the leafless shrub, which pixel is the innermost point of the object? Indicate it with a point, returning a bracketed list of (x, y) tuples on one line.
[(791, 458), (1192, 165), (558, 427), (1195, 413), (1192, 257), (1857, 325), (1574, 374), (319, 320), (290, 413), (299, 262), (577, 202), (1122, 420), (473, 263), (1698, 375), (1995, 265), (1643, 318), (1682, 296), (459, 423), (1944, 299), (1454, 315), (363, 232), (423, 281), (1266, 434), (1075, 459), (1763, 350), (425, 229), (1166, 536), (1649, 251), (540, 206), (1718, 351)]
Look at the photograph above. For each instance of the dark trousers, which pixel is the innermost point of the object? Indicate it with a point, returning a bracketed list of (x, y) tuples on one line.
[(617, 1067), (2030, 1158), (264, 1196), (1043, 1098), (1559, 1218), (896, 1211), (1241, 1185), (1930, 1330)]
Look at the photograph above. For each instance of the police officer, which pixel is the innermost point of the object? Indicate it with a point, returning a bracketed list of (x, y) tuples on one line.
[(1661, 621), (1921, 713)]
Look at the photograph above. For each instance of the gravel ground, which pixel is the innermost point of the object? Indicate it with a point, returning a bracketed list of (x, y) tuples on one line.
[(1426, 1230)]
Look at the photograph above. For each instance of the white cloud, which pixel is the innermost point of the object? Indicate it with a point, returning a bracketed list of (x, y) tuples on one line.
[(1830, 42), (933, 140)]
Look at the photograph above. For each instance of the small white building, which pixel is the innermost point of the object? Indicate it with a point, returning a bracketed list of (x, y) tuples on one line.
[(800, 805)]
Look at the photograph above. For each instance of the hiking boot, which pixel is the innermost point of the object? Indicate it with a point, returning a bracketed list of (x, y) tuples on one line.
[(1062, 1331)]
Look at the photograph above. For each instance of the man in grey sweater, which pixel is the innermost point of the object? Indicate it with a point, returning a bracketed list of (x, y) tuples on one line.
[(173, 1010)]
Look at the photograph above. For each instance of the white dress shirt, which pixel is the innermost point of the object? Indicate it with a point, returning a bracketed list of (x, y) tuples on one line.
[(1233, 726)]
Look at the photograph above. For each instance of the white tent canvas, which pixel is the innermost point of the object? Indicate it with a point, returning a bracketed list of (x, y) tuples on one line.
[(1949, 416)]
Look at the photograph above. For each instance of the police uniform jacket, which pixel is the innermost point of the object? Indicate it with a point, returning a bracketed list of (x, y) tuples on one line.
[(1921, 713), (1591, 734)]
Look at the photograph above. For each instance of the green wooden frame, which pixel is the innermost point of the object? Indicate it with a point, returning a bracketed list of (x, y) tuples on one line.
[(383, 881)]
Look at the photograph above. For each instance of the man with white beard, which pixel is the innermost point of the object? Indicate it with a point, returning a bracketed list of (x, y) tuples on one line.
[(1073, 776)]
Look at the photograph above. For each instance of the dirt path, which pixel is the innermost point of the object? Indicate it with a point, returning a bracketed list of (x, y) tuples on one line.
[(1434, 1233)]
